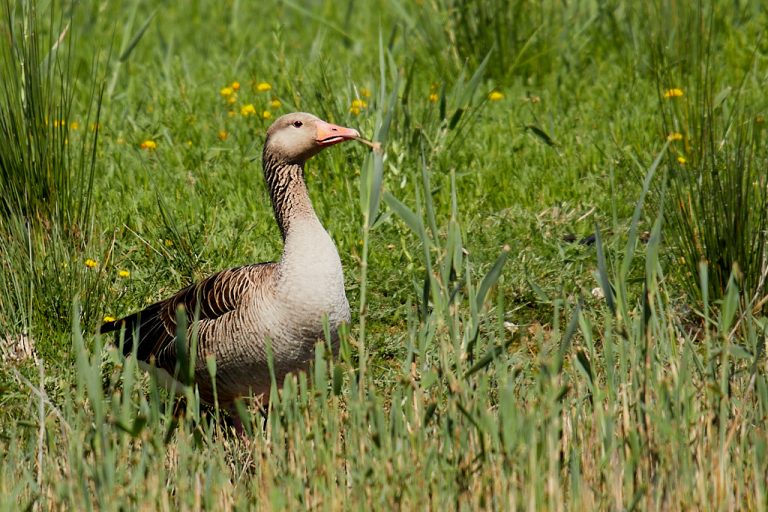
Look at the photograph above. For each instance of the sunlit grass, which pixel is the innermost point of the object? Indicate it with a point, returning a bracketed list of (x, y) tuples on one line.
[(520, 338)]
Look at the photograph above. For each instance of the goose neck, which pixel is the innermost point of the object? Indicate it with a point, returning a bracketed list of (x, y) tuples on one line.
[(289, 195)]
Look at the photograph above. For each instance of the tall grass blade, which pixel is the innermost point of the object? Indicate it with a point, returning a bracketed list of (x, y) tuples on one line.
[(570, 332), (602, 270), (491, 278), (408, 216), (631, 246), (126, 53)]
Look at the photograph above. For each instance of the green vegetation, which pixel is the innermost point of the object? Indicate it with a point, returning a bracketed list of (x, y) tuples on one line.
[(493, 361)]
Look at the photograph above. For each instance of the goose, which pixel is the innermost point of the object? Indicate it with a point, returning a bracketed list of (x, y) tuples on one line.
[(243, 310)]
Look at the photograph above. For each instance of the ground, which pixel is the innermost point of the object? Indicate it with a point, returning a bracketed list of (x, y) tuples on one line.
[(500, 354)]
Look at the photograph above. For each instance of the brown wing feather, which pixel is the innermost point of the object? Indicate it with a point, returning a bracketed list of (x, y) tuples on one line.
[(207, 300)]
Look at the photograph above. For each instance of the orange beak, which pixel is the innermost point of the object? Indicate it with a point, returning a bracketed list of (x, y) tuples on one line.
[(329, 134)]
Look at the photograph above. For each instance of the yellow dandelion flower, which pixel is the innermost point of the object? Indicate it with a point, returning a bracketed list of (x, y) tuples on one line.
[(365, 92), (235, 85), (495, 96), (266, 114), (91, 263), (223, 135), (356, 106), (232, 99), (74, 126), (674, 136), (263, 87), (681, 160), (149, 145), (124, 273), (108, 318), (168, 243), (227, 91), (433, 97), (673, 93), (247, 110), (275, 103)]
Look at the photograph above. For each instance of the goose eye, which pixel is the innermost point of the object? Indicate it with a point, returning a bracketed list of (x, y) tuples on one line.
[(297, 124)]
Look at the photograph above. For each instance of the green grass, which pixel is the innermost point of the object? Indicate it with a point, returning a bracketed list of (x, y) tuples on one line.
[(482, 367)]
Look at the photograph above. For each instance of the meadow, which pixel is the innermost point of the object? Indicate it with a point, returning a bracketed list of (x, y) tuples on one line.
[(556, 265)]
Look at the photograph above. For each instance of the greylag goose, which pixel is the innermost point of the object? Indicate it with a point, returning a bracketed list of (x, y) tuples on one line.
[(242, 309)]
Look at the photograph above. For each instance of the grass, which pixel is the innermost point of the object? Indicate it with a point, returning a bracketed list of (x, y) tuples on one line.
[(716, 167), (491, 362)]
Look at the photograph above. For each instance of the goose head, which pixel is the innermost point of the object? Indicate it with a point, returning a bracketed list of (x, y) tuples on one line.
[(297, 137)]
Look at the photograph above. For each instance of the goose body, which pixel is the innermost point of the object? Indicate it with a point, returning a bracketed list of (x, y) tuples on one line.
[(244, 310)]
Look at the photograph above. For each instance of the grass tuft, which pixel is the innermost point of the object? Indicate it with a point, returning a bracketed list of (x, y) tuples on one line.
[(716, 166)]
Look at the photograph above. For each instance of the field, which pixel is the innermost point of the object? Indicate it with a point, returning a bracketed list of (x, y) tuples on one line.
[(556, 264)]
